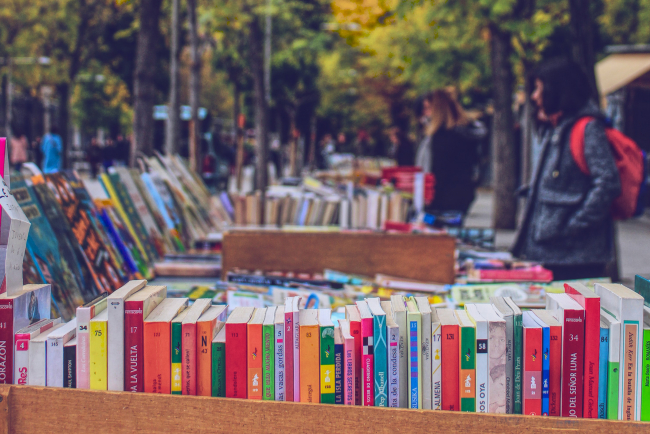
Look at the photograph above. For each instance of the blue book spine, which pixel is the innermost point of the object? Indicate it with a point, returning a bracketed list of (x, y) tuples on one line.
[(381, 361), (413, 349), (338, 374), (602, 374), (546, 368)]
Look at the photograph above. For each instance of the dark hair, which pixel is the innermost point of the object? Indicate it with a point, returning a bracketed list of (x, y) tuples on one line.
[(566, 87), (54, 129)]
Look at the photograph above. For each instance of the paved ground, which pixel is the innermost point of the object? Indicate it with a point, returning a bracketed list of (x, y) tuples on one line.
[(633, 237)]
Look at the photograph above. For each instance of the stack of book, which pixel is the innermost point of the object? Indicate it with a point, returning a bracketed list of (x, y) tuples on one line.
[(582, 356)]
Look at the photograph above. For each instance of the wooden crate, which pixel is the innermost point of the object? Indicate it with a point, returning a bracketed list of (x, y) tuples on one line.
[(26, 409), (427, 258)]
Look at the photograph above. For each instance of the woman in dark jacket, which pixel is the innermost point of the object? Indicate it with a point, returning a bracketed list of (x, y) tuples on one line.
[(567, 224), (401, 148), (450, 151)]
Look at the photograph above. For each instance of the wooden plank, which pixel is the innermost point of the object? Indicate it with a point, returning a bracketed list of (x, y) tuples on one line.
[(39, 409), (5, 415), (428, 258)]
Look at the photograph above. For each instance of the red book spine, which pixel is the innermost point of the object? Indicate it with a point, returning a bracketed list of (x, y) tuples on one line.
[(355, 331), (555, 370), (592, 351), (288, 356), (367, 361), (189, 359), (572, 362), (517, 275), (6, 342), (450, 367), (236, 369), (133, 347), (532, 371)]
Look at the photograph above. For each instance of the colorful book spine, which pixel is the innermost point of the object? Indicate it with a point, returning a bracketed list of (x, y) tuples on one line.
[(98, 355), (268, 335), (532, 348), (468, 369), (392, 336), (546, 368), (177, 358), (380, 354), (602, 368), (254, 363), (69, 364), (327, 368), (189, 359), (572, 363), (414, 322), (218, 369), (555, 370), (309, 363), (450, 367), (338, 373), (296, 353), (629, 371), (280, 363), (157, 366), (367, 362), (236, 359), (349, 364), (205, 334), (436, 366), (288, 352), (518, 362), (355, 331)]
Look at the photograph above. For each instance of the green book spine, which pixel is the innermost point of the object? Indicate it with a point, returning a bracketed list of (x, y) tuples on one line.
[(612, 391), (518, 362), (327, 355), (468, 369), (268, 362), (218, 369), (381, 361), (177, 358), (645, 384)]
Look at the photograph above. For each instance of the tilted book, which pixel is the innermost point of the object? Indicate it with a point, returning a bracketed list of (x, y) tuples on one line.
[(496, 358), (425, 312), (380, 352), (414, 321), (236, 352), (327, 354), (399, 315), (84, 314), (268, 365), (505, 312), (482, 364), (254, 355), (352, 315), (392, 339), (309, 356), (280, 356), (532, 383)]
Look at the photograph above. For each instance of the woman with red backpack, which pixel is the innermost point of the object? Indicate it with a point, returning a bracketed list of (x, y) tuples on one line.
[(567, 223)]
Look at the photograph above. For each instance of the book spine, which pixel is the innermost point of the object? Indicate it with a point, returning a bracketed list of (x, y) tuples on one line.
[(218, 369), (338, 374), (254, 363), (546, 367), (296, 357), (645, 381), (189, 359), (55, 362), (355, 331), (425, 351), (367, 363), (133, 347), (309, 364), (6, 342), (532, 383), (349, 396), (467, 369), (288, 356), (450, 367), (280, 366), (392, 334), (115, 344), (572, 363), (69, 366), (555, 371), (268, 335), (400, 319), (415, 353), (380, 355), (510, 365), (592, 346), (327, 366), (83, 348), (236, 369), (37, 363), (204, 330), (629, 371), (98, 355), (518, 363), (482, 362), (157, 358), (613, 369), (496, 368), (603, 364), (21, 359), (436, 366), (177, 358)]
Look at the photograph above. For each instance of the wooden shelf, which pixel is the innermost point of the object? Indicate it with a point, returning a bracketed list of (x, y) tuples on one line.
[(427, 258), (38, 410)]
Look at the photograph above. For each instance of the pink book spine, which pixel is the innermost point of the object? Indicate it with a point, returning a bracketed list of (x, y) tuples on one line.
[(288, 355), (367, 363), (21, 358), (348, 369), (189, 359), (84, 315), (296, 357)]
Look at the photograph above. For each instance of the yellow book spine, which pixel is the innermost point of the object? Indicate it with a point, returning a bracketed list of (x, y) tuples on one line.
[(98, 355)]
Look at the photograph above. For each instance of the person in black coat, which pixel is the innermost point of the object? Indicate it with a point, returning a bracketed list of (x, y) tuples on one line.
[(401, 148), (449, 150)]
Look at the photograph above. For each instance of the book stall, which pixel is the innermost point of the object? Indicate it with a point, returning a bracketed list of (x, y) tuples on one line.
[(120, 292)]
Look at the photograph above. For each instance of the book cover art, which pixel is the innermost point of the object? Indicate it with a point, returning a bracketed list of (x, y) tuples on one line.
[(467, 369), (327, 365), (380, 361), (497, 342)]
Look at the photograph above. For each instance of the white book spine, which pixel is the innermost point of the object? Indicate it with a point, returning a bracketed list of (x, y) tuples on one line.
[(426, 362), (37, 363), (392, 335), (631, 326), (436, 366), (296, 357), (279, 362), (115, 344), (400, 319), (482, 362), (83, 348), (21, 362), (55, 362), (344, 215)]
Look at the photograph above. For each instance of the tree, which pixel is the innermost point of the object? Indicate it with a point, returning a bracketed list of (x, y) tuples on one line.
[(195, 86), (582, 41), (173, 120)]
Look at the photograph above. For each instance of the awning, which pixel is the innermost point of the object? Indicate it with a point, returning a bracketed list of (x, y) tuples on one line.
[(618, 70)]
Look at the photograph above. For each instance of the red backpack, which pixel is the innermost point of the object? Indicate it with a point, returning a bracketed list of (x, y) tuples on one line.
[(630, 162)]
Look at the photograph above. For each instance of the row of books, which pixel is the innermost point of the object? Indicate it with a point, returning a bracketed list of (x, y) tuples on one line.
[(582, 356)]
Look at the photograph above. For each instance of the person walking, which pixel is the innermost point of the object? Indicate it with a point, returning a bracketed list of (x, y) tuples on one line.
[(567, 225), (18, 151), (449, 150), (51, 148)]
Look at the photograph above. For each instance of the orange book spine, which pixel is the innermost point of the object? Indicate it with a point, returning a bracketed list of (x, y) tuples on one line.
[(255, 361), (157, 358), (309, 364), (204, 331)]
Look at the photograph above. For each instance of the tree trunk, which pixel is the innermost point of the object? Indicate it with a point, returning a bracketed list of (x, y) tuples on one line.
[(526, 123), (261, 109), (312, 142), (195, 87), (239, 138), (173, 120), (503, 143), (63, 91), (143, 86), (293, 143), (582, 25)]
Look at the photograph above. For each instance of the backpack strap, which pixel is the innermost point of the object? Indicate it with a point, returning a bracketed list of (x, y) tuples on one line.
[(577, 143)]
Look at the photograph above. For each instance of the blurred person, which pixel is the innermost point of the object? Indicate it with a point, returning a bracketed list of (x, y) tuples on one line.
[(35, 150), (122, 150), (341, 143), (94, 156), (327, 148), (362, 144), (52, 148), (18, 151), (567, 225), (449, 150), (401, 148), (109, 153)]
